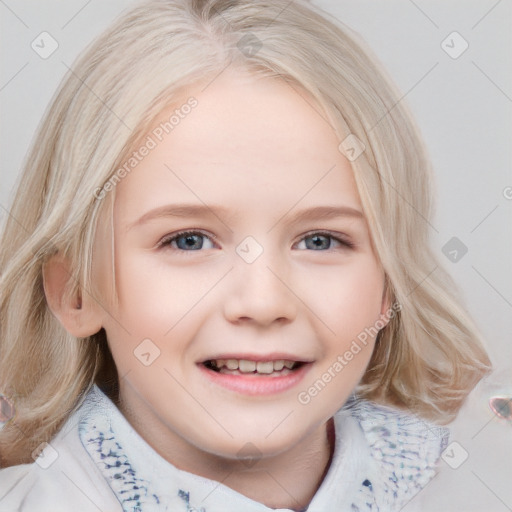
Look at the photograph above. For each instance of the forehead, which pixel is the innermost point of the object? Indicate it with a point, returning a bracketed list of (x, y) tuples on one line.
[(247, 142)]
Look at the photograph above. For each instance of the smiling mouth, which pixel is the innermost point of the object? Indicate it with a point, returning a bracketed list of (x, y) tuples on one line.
[(279, 367)]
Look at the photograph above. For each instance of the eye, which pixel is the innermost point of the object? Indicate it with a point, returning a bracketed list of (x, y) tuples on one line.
[(187, 241), (321, 241)]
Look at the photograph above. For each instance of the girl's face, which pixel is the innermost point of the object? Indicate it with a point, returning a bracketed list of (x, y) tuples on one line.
[(241, 335)]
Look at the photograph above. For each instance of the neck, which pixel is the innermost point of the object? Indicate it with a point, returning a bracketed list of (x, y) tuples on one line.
[(288, 480)]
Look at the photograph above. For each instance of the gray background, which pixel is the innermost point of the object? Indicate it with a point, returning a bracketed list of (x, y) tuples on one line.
[(463, 107)]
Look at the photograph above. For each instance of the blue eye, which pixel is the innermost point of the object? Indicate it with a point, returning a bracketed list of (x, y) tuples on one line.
[(187, 241), (321, 241)]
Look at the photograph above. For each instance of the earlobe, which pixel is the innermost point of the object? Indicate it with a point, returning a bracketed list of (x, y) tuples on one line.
[(78, 313)]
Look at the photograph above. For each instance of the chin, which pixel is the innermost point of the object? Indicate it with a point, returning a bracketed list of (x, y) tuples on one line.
[(253, 445)]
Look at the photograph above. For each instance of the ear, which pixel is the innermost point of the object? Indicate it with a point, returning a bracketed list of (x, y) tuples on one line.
[(78, 312)]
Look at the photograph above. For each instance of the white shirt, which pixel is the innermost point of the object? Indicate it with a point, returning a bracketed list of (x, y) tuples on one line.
[(97, 462)]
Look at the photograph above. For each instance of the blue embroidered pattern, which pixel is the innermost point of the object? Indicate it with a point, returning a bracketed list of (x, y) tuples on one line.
[(407, 450), (109, 456), (405, 447), (185, 496)]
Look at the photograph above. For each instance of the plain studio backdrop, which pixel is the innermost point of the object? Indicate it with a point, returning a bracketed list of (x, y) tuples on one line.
[(452, 62)]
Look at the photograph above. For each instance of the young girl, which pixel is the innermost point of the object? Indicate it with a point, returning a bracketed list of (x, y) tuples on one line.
[(217, 289)]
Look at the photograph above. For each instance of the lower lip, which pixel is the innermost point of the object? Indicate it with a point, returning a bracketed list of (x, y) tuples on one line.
[(256, 385)]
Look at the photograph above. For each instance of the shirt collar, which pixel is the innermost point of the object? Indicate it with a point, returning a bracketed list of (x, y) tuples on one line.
[(143, 480)]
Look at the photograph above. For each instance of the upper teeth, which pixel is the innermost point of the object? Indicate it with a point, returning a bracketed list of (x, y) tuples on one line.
[(246, 366)]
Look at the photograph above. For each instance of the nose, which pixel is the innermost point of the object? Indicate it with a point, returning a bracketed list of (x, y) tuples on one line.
[(259, 294)]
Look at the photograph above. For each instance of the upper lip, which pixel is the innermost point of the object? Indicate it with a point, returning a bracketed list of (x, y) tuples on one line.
[(274, 356)]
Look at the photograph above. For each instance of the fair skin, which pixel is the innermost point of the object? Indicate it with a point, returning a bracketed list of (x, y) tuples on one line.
[(263, 152)]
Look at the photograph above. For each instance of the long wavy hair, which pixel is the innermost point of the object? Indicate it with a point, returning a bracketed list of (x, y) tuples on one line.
[(427, 358)]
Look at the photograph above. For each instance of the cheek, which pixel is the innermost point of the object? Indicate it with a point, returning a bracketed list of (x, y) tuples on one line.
[(153, 296), (350, 304), (349, 299)]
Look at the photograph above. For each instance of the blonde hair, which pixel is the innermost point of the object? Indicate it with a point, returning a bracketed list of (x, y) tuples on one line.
[(427, 358)]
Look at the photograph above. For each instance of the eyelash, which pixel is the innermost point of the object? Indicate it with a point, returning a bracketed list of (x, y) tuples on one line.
[(167, 240)]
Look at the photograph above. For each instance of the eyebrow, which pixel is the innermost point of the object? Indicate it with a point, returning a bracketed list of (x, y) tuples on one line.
[(317, 213), (222, 212)]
